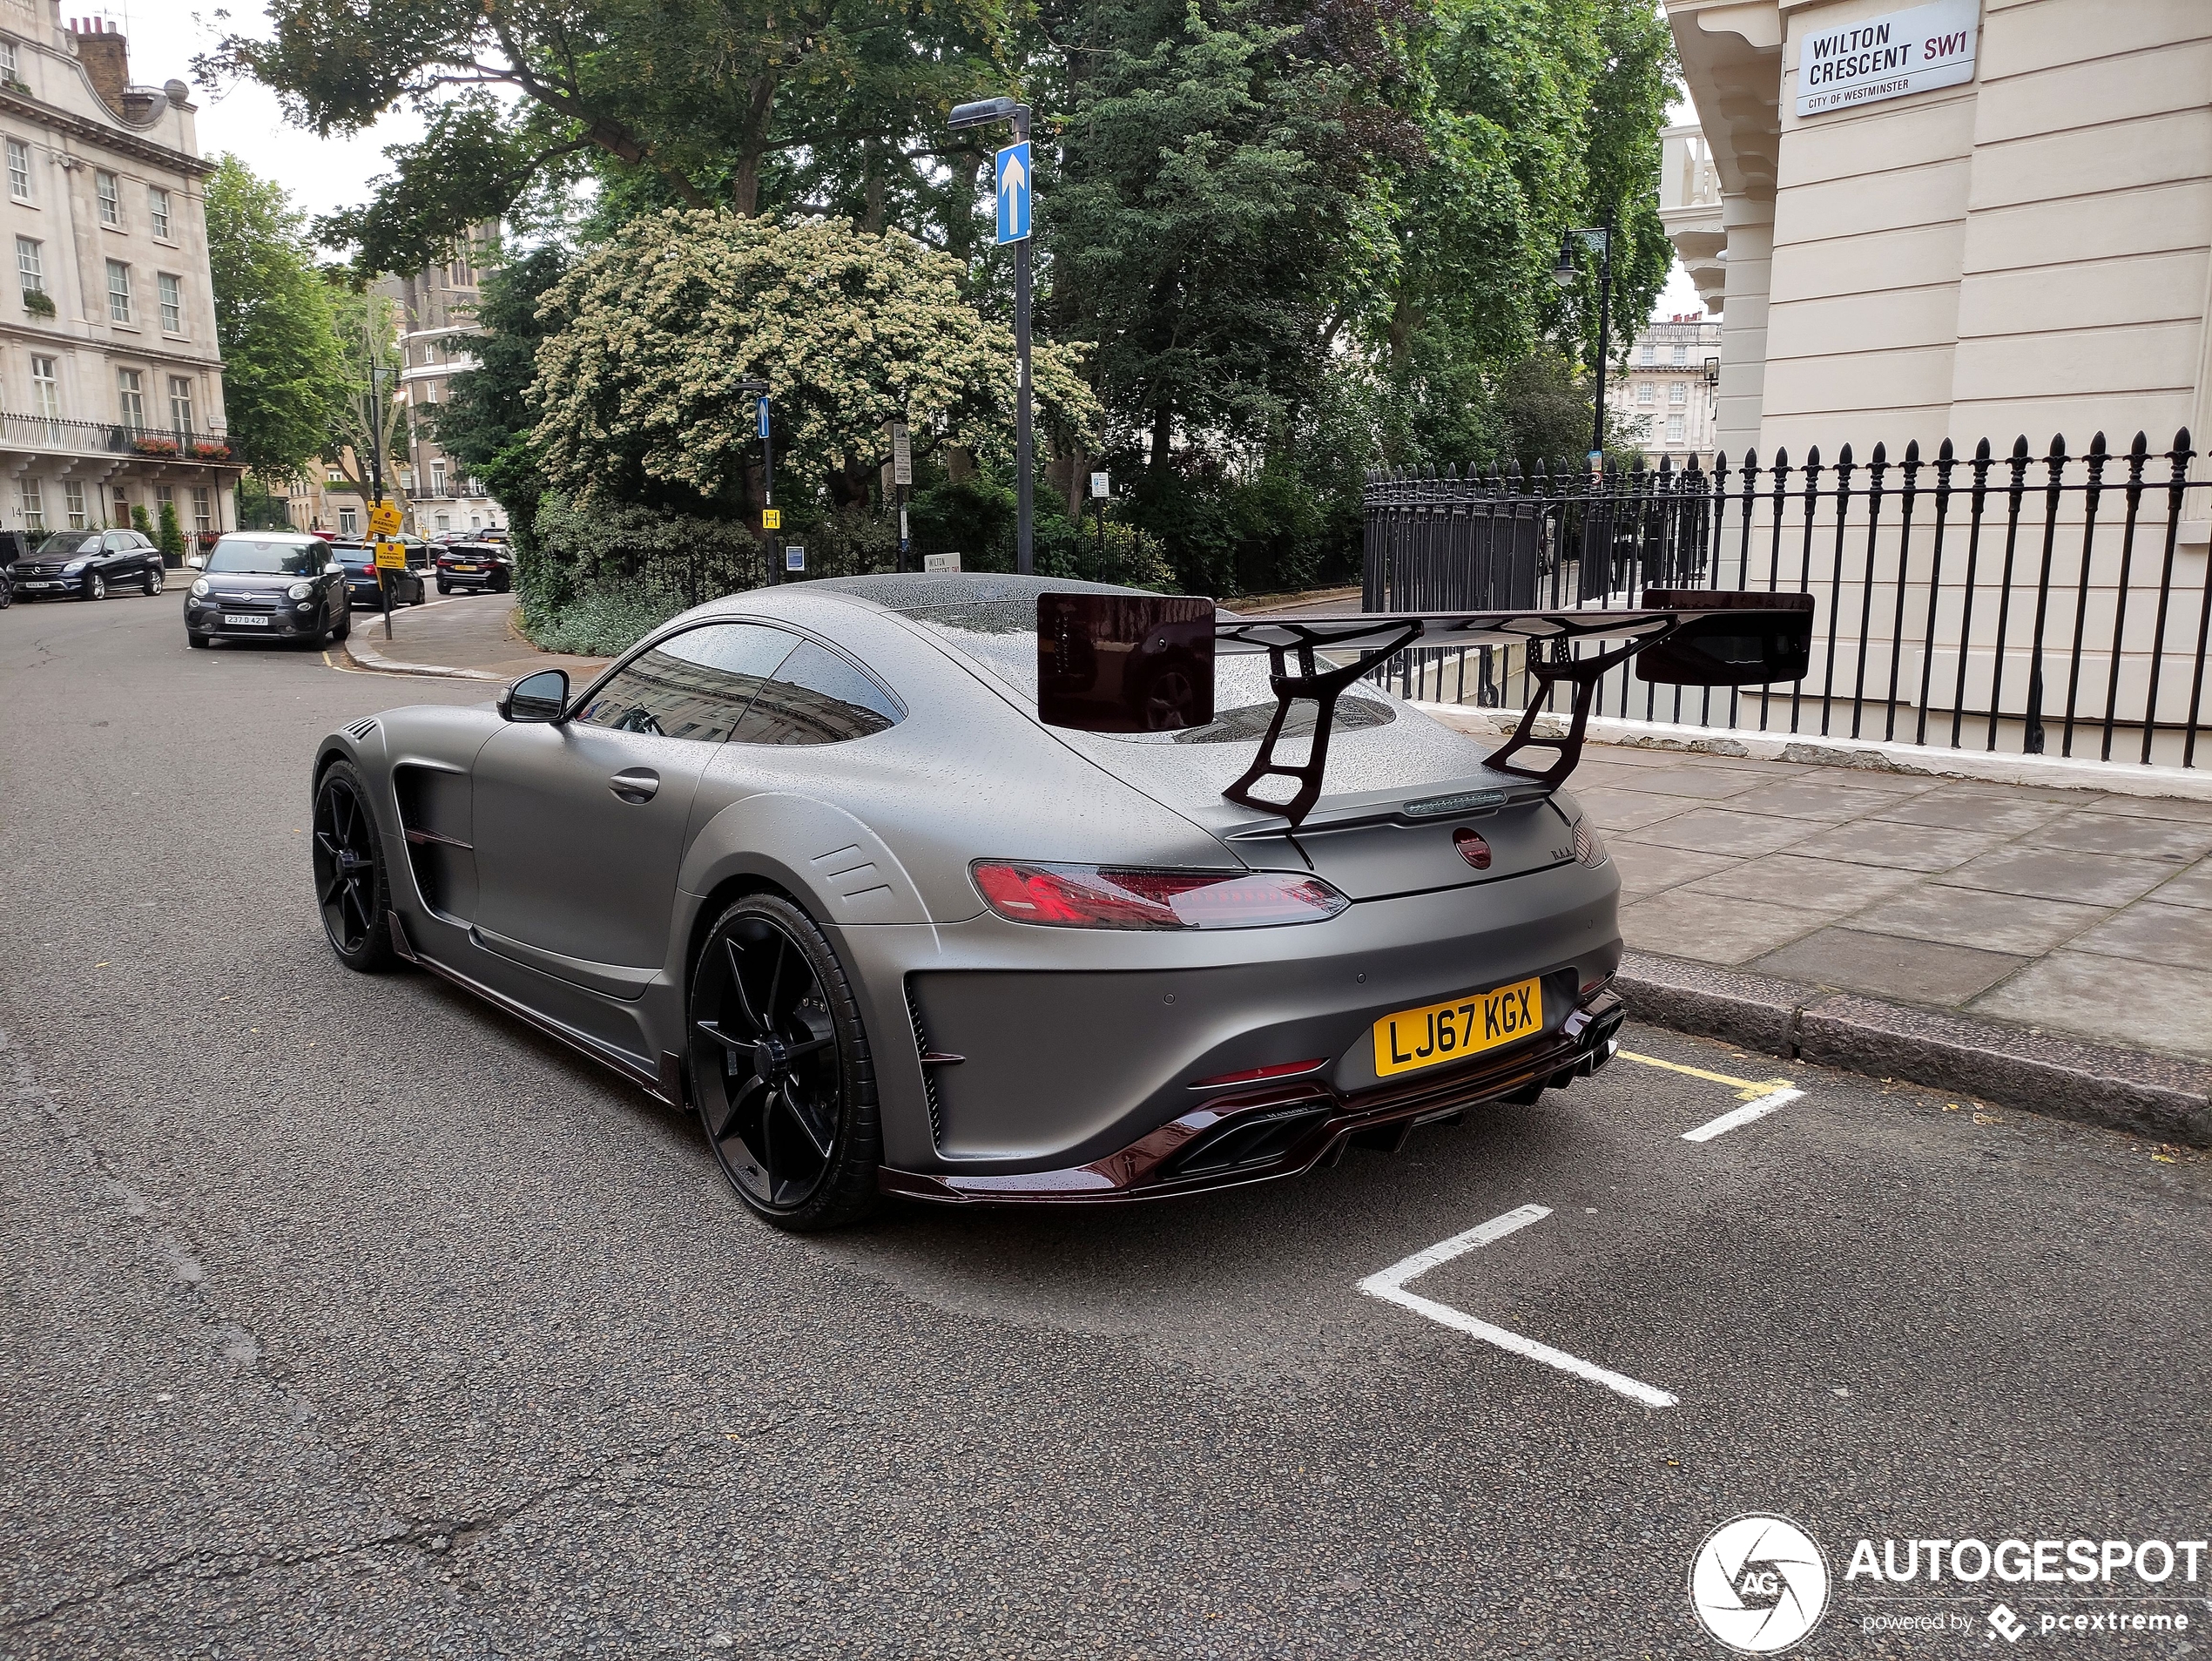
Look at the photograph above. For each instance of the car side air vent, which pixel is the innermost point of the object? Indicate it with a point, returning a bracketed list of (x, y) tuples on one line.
[(360, 730), (928, 1072)]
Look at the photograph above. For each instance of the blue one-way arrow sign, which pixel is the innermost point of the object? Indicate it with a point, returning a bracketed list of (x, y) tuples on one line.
[(1013, 179)]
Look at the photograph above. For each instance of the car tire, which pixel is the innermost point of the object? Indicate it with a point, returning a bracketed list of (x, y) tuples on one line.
[(95, 586), (500, 584), (444, 587), (155, 581), (353, 886), (343, 627), (194, 637), (780, 1068)]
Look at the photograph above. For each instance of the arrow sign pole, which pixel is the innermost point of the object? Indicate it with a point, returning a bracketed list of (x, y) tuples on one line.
[(1015, 178)]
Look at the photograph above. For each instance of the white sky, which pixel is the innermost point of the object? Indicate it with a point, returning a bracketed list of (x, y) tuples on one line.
[(322, 174)]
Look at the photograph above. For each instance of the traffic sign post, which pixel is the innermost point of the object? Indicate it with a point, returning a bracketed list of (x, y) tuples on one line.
[(902, 478), (1016, 198), (1099, 485), (390, 555)]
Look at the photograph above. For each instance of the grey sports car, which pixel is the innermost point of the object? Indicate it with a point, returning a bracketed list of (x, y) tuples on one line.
[(834, 863)]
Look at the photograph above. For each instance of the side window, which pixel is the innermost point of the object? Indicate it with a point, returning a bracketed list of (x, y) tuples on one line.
[(692, 685), (118, 542), (817, 698)]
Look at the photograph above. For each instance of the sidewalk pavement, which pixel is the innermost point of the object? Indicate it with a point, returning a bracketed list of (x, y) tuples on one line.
[(2050, 949), (470, 637)]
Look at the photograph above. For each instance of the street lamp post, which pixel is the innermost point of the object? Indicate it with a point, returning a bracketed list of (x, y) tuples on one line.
[(1566, 273), (988, 113), (759, 389)]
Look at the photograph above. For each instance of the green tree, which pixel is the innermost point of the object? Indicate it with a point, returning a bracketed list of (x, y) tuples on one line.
[(638, 395), (684, 102), (170, 538), (486, 422), (281, 371), (368, 419)]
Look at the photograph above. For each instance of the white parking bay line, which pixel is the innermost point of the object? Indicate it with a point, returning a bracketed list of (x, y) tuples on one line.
[(1390, 1286), (1743, 1115)]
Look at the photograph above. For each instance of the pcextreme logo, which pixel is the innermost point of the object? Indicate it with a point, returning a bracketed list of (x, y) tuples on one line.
[(1758, 1584)]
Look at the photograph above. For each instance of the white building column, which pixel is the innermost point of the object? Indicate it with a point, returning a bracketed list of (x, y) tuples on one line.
[(1749, 220)]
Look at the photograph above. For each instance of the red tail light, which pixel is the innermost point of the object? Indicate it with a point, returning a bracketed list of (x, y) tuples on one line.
[(1093, 896)]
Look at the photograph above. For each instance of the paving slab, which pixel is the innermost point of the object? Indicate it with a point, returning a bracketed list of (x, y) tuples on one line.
[(1891, 966), (1978, 917), (1708, 783), (2111, 1000), (2192, 887), (2178, 936), (1713, 929), (1902, 847), (1627, 810), (1712, 829), (2195, 813), (2127, 834), (1647, 869), (1789, 879), (1946, 809), (2052, 874), (1816, 799)]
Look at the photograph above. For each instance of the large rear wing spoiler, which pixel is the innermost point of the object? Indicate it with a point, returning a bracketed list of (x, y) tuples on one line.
[(1145, 663)]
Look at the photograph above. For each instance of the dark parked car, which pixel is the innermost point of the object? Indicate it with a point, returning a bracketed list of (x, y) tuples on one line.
[(85, 564), (269, 585), (359, 561), (479, 565)]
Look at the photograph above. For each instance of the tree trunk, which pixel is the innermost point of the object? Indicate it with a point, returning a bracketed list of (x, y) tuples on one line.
[(1163, 420), (872, 187), (760, 106), (1077, 479), (960, 222)]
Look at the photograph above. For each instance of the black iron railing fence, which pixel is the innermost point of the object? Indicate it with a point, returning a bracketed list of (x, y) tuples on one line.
[(173, 443), (2038, 604)]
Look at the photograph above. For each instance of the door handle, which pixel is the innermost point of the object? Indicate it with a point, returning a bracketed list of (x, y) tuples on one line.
[(635, 784)]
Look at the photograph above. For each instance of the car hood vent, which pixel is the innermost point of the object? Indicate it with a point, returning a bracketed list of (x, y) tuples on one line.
[(360, 730)]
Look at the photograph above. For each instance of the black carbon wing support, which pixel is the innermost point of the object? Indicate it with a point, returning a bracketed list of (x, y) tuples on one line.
[(1692, 636)]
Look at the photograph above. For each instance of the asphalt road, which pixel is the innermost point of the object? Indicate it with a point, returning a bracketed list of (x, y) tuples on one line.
[(347, 1317)]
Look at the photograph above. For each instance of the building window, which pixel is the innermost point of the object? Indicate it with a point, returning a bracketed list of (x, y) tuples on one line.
[(73, 499), (19, 169), (122, 508), (475, 522), (119, 291), (203, 509), (1647, 355), (1674, 429), (445, 523), (32, 500), (46, 395), (1646, 395), (437, 478), (30, 265), (172, 303), (10, 68), (1678, 394), (349, 522), (157, 209), (180, 403), (165, 496), (334, 476), (111, 194), (130, 399)]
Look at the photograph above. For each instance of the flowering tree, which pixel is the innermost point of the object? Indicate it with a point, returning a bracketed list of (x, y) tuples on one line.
[(637, 391)]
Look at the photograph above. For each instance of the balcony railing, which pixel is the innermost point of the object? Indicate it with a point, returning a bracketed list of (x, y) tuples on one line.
[(191, 444)]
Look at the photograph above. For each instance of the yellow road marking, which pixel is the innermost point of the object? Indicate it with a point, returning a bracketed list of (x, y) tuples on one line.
[(1747, 1088)]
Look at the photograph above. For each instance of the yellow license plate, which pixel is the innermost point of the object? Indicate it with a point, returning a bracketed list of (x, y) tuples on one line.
[(1426, 1037)]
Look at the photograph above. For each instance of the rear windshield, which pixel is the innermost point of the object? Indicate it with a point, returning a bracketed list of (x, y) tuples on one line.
[(249, 556)]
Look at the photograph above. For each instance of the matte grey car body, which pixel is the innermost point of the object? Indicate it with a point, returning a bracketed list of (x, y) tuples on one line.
[(1011, 1061)]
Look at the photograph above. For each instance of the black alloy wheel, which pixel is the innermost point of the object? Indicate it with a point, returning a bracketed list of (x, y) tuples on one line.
[(154, 580), (780, 1068), (350, 880), (95, 586)]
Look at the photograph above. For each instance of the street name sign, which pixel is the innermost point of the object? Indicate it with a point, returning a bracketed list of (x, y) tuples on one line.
[(940, 562), (1888, 57), (902, 454), (384, 519), (1014, 181)]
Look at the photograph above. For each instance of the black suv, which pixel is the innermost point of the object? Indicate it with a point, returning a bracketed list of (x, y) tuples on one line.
[(85, 564), (483, 565)]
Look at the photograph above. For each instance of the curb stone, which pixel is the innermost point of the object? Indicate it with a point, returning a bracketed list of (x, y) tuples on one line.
[(371, 661), (2161, 1097)]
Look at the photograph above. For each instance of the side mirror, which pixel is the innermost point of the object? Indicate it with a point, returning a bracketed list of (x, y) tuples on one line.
[(198, 562), (541, 697), (1124, 663), (1770, 640)]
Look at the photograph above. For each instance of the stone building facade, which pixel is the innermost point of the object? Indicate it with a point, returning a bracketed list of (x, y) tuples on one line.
[(436, 305), (1667, 389), (111, 384)]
